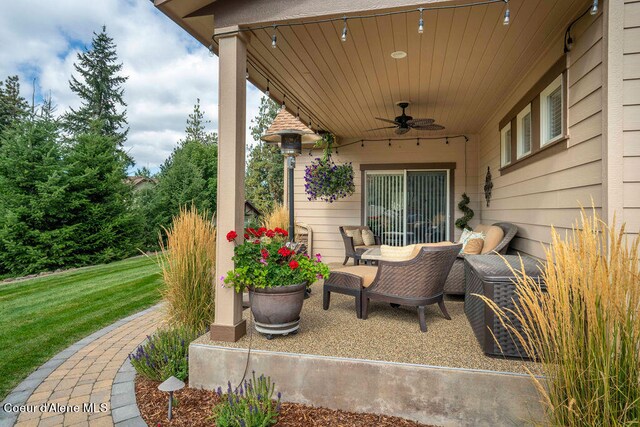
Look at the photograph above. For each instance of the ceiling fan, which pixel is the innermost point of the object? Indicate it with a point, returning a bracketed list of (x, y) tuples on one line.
[(404, 123)]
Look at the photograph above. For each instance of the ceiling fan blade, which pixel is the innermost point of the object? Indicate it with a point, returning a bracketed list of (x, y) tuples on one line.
[(401, 131), (420, 122), (387, 120), (429, 127), (386, 127)]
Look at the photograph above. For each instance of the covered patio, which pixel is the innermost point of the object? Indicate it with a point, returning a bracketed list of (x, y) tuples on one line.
[(474, 68)]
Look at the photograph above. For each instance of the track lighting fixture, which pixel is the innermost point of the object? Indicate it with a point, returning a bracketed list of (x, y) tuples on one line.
[(507, 14)]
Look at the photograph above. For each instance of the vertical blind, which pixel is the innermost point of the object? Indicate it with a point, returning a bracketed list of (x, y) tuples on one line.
[(408, 207), (554, 113)]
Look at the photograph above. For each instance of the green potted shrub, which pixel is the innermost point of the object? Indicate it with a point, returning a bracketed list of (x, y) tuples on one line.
[(276, 275)]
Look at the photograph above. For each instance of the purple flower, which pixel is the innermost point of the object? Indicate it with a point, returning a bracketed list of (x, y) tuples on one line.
[(318, 257), (222, 278)]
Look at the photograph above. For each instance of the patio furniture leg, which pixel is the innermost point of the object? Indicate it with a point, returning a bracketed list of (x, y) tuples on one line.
[(359, 305), (364, 307), (345, 260), (443, 309), (326, 298), (421, 318)]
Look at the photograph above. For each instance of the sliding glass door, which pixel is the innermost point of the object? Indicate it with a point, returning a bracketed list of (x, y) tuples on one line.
[(408, 206)]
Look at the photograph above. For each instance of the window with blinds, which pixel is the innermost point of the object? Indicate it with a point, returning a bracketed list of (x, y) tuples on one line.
[(505, 145), (524, 132), (551, 112)]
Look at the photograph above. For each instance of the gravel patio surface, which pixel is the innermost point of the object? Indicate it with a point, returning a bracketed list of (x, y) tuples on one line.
[(389, 334)]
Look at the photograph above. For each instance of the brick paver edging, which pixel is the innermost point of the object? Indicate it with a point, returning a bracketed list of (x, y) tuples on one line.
[(124, 408), (26, 388)]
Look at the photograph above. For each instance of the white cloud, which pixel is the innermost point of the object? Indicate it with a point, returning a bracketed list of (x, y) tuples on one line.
[(167, 69)]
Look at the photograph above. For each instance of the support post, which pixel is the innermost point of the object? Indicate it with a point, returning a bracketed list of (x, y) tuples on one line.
[(229, 325), (291, 164)]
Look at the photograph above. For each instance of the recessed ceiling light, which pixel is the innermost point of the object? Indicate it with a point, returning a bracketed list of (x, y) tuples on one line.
[(398, 54)]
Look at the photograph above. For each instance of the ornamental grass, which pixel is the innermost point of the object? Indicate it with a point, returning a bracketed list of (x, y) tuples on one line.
[(585, 329), (188, 261), (277, 218)]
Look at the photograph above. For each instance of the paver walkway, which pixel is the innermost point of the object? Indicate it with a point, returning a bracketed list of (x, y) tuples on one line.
[(88, 376)]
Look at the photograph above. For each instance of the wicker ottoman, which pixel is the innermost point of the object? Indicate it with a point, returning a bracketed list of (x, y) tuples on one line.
[(491, 277), (348, 281)]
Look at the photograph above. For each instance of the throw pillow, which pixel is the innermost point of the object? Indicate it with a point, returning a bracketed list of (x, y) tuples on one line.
[(368, 238), (473, 246), (396, 253), (468, 236), (356, 234)]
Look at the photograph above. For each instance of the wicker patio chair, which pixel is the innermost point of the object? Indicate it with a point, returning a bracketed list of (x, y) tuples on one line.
[(455, 284), (417, 282), (351, 250)]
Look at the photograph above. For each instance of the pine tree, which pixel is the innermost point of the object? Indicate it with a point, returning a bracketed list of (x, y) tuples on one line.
[(13, 107), (188, 176), (100, 203), (33, 199), (264, 183), (100, 88)]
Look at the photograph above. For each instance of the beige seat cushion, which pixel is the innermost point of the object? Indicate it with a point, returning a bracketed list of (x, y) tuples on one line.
[(396, 253), (493, 236), (356, 234), (367, 272), (418, 246), (368, 238), (366, 247)]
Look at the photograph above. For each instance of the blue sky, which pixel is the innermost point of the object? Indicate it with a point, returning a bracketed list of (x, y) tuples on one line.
[(167, 69)]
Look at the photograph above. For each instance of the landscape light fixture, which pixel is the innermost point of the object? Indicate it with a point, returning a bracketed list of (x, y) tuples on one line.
[(507, 14), (291, 141), (170, 385)]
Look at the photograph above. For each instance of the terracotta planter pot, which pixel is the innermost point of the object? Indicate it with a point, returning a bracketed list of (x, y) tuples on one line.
[(276, 311)]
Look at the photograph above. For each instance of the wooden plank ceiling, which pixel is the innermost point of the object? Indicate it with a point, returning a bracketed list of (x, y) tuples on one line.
[(456, 72)]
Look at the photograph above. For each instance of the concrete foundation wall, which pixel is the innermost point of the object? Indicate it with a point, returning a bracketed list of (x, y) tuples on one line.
[(433, 395)]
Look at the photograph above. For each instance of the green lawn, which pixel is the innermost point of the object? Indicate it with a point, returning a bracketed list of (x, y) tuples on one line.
[(40, 317)]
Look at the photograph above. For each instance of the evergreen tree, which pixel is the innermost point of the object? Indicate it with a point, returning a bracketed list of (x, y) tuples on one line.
[(188, 176), (143, 171), (264, 183), (101, 91), (13, 107), (33, 199), (100, 202)]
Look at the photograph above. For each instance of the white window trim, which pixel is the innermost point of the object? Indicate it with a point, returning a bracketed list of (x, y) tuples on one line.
[(503, 143), (558, 82), (519, 153)]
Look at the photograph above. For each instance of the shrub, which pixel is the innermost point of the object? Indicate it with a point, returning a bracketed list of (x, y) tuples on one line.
[(164, 354), (277, 218), (250, 405), (586, 329), (188, 268)]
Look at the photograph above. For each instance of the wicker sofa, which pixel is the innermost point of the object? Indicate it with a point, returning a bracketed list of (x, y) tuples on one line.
[(351, 250), (455, 284)]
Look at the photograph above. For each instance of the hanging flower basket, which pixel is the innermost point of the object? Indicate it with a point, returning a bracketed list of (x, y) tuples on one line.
[(326, 180)]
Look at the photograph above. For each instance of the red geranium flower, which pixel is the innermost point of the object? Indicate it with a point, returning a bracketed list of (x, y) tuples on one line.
[(231, 236), (270, 233), (264, 253), (284, 251), (256, 242), (252, 231), (261, 231), (281, 231), (246, 236), (293, 264)]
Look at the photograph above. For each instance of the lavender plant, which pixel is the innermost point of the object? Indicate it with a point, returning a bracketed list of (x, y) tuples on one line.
[(325, 180), (249, 405), (164, 354)]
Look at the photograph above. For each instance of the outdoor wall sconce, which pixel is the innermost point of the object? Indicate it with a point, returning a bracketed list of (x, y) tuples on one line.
[(291, 141), (170, 385)]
